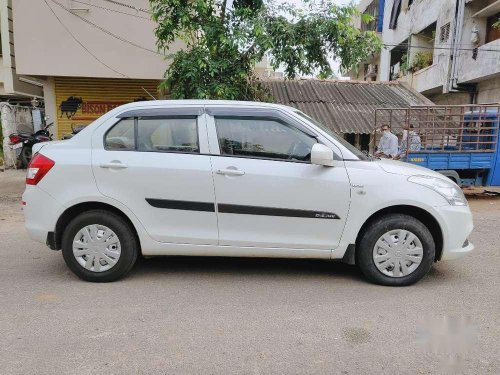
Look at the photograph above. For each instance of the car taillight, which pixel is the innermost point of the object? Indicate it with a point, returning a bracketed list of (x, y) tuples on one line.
[(14, 138), (38, 167)]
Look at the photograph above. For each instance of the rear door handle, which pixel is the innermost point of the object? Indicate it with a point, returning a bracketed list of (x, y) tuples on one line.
[(230, 172), (113, 165)]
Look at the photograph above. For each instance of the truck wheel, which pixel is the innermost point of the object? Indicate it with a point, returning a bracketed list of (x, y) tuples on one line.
[(395, 250), (99, 246)]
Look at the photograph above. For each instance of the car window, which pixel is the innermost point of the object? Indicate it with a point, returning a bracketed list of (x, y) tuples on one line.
[(167, 135), (332, 134), (121, 136), (262, 138)]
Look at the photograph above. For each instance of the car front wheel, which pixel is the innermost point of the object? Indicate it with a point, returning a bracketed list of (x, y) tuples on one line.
[(99, 246), (395, 250)]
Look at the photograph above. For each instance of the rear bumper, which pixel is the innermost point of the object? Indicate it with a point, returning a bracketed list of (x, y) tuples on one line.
[(456, 224), (40, 213)]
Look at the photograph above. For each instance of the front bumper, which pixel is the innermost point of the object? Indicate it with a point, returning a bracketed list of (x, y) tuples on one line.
[(456, 224), (458, 253)]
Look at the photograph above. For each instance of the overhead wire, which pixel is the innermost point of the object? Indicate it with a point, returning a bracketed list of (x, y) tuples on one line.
[(128, 6), (105, 30), (111, 10), (81, 44), (406, 46)]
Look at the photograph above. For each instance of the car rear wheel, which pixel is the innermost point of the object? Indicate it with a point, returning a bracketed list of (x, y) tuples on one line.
[(99, 246), (395, 250)]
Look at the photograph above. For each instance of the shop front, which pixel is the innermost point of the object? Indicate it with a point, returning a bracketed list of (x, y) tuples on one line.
[(79, 101)]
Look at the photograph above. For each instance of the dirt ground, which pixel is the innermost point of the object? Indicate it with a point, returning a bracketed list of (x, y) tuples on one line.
[(246, 316)]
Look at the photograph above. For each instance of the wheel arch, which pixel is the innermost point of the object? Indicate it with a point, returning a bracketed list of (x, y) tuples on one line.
[(418, 213), (73, 211)]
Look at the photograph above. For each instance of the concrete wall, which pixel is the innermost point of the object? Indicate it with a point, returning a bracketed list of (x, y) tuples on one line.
[(44, 47), (412, 21), (10, 85), (489, 91), (487, 63)]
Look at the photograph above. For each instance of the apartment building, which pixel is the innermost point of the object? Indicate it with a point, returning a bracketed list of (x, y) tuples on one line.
[(448, 50), (369, 70)]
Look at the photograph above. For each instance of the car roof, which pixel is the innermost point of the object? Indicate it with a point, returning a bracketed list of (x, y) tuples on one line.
[(203, 102)]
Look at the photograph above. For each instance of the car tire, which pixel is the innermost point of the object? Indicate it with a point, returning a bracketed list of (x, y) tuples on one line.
[(124, 242), (380, 245)]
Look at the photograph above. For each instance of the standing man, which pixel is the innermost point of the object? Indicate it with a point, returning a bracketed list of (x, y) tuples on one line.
[(388, 144), (410, 142)]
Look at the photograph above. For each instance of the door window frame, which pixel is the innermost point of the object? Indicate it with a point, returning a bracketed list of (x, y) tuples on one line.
[(260, 118), (200, 132)]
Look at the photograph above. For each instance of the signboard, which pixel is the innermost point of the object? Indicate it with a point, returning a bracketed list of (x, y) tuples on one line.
[(80, 101)]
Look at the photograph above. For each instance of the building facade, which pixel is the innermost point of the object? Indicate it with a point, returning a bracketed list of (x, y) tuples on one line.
[(448, 50), (369, 70), (90, 56), (13, 87)]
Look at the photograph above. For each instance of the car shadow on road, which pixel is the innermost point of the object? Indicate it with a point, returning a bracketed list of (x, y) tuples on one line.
[(248, 267)]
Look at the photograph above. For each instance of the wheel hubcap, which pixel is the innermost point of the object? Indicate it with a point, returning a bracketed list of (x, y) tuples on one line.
[(96, 248), (398, 253)]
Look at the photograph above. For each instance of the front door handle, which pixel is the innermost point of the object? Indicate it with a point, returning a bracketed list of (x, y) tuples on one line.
[(230, 172), (113, 165)]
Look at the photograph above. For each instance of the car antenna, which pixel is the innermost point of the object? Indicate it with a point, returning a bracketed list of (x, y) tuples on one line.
[(147, 92)]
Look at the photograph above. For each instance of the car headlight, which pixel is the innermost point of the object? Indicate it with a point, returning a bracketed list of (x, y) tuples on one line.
[(449, 190)]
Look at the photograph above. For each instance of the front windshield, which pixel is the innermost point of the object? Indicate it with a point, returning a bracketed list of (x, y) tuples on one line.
[(332, 134)]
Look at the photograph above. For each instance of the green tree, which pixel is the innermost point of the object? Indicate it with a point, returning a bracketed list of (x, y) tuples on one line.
[(224, 40)]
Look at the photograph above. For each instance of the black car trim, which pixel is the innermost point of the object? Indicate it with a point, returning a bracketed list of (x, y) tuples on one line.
[(274, 211), (182, 205), (240, 209)]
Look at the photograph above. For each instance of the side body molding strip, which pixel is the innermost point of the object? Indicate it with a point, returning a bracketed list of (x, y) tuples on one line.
[(240, 209), (181, 205)]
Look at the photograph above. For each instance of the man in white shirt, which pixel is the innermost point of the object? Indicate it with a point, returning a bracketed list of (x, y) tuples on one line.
[(388, 144), (410, 142)]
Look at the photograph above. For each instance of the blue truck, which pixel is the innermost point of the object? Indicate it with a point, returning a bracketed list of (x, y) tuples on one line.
[(459, 141)]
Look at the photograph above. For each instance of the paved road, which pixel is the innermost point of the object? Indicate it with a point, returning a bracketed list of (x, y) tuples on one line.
[(207, 315)]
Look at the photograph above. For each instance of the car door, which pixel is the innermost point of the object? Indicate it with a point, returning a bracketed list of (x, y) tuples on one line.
[(155, 162), (268, 193)]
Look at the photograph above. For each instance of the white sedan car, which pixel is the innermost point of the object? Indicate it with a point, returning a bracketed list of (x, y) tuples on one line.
[(242, 179)]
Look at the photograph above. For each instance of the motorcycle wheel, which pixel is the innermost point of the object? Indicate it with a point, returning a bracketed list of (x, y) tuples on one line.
[(25, 156)]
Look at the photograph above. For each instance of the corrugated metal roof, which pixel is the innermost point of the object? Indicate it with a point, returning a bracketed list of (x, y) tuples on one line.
[(344, 106)]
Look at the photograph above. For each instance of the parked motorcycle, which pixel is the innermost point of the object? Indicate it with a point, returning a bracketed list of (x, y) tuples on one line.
[(23, 143), (75, 129)]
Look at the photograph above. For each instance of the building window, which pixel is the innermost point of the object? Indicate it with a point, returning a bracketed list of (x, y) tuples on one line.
[(444, 33), (493, 28), (371, 10), (396, 9)]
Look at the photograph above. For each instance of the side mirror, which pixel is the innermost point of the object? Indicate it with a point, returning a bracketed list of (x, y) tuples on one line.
[(321, 155)]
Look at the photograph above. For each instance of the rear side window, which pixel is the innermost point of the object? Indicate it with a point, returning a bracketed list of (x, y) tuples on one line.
[(262, 138), (121, 136), (168, 135)]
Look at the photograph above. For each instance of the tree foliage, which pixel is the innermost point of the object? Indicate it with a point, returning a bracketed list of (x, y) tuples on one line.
[(225, 39)]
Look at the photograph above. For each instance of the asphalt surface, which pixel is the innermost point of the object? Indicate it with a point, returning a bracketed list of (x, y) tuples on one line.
[(248, 316)]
